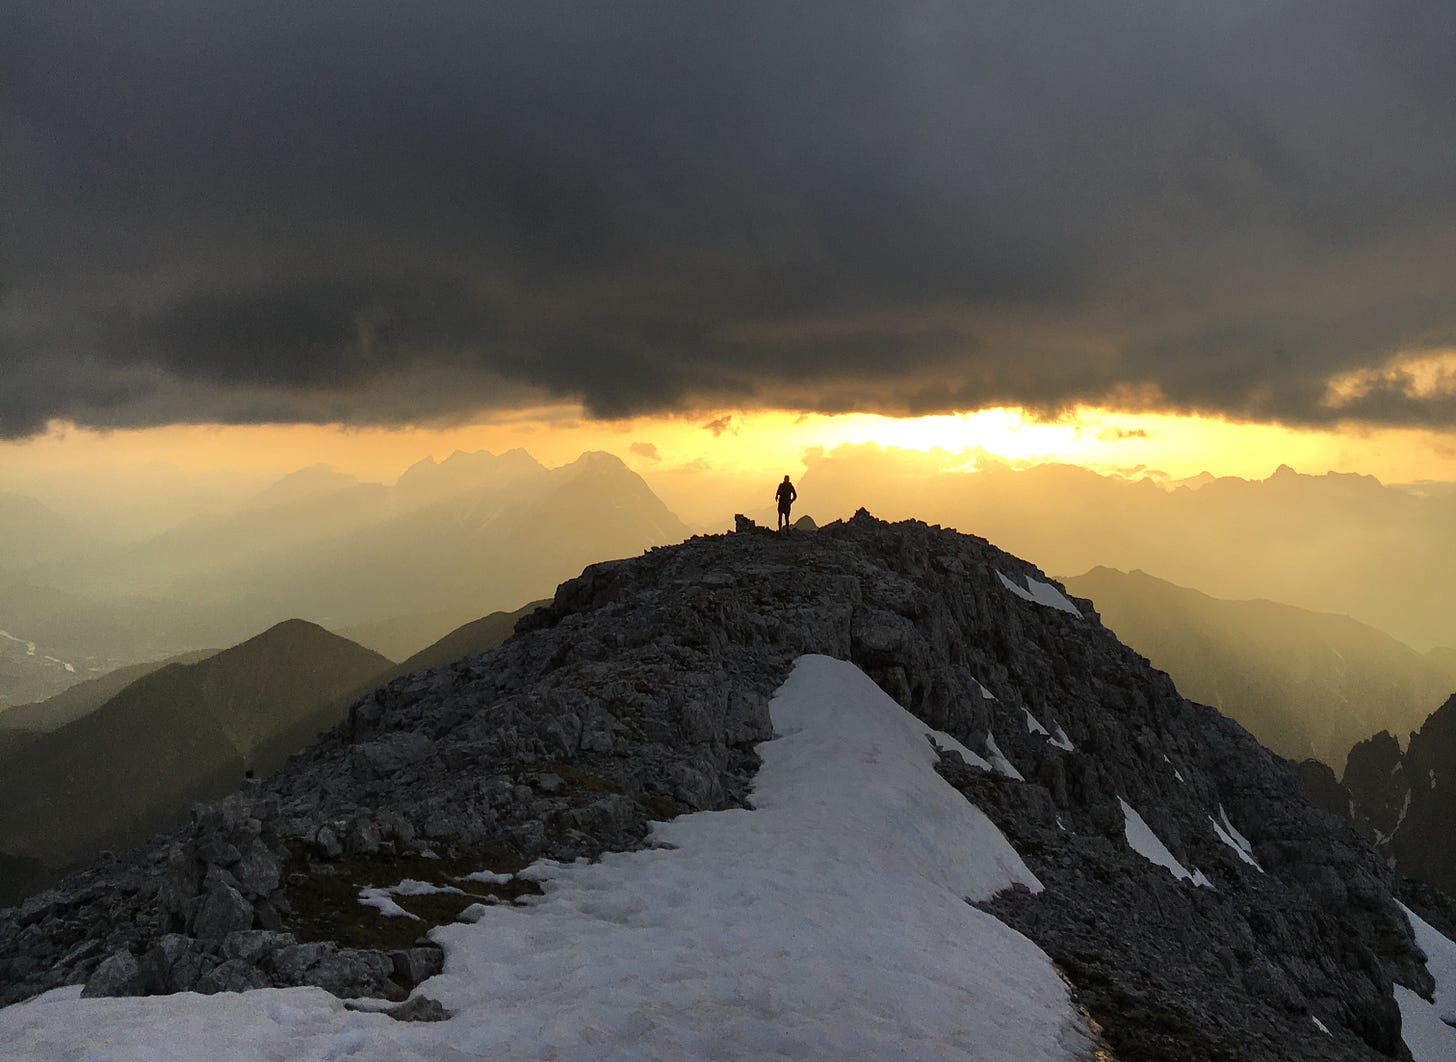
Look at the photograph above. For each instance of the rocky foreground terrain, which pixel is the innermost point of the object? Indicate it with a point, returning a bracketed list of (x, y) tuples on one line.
[(639, 694)]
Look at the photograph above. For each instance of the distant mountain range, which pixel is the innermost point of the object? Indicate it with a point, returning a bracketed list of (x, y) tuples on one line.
[(1306, 684), (404, 564), (31, 533), (475, 532), (1337, 543)]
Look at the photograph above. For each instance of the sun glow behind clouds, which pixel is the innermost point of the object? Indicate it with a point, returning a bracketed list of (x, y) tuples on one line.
[(1418, 375), (722, 451)]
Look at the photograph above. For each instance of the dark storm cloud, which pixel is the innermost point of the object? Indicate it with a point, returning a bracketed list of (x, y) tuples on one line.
[(379, 212)]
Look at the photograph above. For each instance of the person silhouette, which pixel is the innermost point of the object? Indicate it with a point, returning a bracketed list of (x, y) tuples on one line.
[(786, 495)]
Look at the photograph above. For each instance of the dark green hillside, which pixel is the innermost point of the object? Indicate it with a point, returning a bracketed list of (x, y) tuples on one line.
[(85, 697), (183, 733)]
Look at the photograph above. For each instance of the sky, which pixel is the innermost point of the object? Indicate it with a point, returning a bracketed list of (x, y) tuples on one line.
[(1229, 227)]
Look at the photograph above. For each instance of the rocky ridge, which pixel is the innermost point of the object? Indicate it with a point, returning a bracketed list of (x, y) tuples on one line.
[(640, 692), (1403, 800)]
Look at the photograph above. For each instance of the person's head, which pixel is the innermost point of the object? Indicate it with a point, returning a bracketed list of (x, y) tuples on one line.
[(786, 479)]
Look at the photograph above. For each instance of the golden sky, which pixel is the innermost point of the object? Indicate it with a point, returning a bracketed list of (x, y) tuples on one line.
[(691, 460)]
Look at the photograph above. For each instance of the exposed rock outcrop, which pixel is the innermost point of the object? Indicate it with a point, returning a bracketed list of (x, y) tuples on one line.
[(1404, 802), (640, 693)]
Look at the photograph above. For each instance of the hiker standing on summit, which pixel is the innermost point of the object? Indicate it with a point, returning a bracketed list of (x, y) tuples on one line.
[(786, 496)]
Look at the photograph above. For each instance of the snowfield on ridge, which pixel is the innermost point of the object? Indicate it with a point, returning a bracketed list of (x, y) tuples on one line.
[(830, 921)]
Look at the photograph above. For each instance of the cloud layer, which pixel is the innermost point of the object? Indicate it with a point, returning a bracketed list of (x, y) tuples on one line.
[(381, 212)]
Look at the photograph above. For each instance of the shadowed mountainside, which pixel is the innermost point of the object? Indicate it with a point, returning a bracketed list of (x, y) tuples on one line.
[(1306, 684), (225, 728), (85, 697), (186, 732), (1404, 801)]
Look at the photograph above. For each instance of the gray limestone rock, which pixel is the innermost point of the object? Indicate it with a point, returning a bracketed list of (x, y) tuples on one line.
[(234, 975), (413, 965), (257, 870), (362, 836), (215, 850), (118, 975), (327, 841), (390, 754), (223, 911), (346, 972), (174, 963), (251, 945)]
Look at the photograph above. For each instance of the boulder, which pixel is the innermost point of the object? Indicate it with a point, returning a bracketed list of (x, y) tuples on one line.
[(118, 975), (223, 911)]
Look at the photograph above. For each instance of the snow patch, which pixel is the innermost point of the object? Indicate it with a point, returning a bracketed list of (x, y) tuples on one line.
[(1142, 840), (1404, 811), (382, 902), (1321, 1026), (986, 695), (382, 899), (487, 877), (1040, 593), (1235, 840), (999, 761), (1239, 839), (942, 740), (29, 645), (830, 921), (1426, 1027), (1056, 737)]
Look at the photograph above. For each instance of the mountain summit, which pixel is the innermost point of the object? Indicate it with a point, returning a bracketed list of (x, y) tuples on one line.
[(955, 817)]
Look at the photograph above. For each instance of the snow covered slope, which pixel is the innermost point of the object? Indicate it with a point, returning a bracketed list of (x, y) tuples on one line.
[(1429, 1028), (830, 921)]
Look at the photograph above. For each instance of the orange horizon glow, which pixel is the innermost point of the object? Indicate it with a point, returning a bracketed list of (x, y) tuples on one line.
[(739, 444)]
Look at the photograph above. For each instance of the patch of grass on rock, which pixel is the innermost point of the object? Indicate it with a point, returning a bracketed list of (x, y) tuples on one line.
[(324, 894)]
